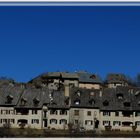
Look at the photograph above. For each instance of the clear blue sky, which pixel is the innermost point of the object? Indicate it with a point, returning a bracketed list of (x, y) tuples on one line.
[(34, 40)]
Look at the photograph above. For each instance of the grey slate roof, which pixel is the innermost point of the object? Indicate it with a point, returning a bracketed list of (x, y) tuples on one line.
[(43, 95), (107, 95), (64, 75), (85, 97), (85, 77), (116, 78), (14, 90), (89, 98)]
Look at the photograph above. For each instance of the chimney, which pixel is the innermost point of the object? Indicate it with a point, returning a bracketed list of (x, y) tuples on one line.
[(100, 94), (66, 93)]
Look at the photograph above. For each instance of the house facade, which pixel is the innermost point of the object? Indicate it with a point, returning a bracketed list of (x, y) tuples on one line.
[(89, 80), (114, 80), (39, 105)]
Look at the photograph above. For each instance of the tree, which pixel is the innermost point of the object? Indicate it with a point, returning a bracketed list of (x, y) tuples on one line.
[(138, 80), (134, 127), (70, 126)]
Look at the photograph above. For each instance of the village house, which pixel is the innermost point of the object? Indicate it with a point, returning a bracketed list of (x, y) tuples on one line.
[(58, 100), (89, 81), (114, 80)]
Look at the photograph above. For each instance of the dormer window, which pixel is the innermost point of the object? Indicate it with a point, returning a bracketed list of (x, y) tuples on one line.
[(51, 98), (53, 103), (127, 104), (36, 101), (119, 96), (92, 93), (137, 93), (78, 93), (91, 102), (105, 103), (93, 76), (9, 99), (23, 101), (77, 102), (139, 103), (53, 111), (71, 85), (67, 101)]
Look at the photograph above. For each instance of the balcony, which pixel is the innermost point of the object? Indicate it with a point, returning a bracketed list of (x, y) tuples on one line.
[(45, 114), (22, 112)]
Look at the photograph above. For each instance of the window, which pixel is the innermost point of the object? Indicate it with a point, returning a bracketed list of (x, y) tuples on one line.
[(5, 120), (127, 123), (116, 123), (91, 102), (67, 101), (105, 113), (35, 121), (53, 121), (119, 96), (75, 121), (23, 101), (92, 93), (52, 112), (127, 113), (137, 123), (9, 99), (93, 76), (34, 111), (12, 112), (137, 114), (76, 112), (137, 93), (105, 103), (45, 114), (71, 85), (138, 103), (63, 112), (77, 102), (12, 120), (36, 101), (22, 111), (88, 113), (78, 93), (8, 121), (116, 113), (6, 111), (127, 104), (63, 121), (88, 122), (106, 123)]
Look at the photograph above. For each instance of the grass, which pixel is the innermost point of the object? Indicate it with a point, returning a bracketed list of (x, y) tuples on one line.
[(14, 132)]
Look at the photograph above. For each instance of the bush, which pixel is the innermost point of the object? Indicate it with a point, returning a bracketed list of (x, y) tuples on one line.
[(22, 125), (134, 128), (108, 128)]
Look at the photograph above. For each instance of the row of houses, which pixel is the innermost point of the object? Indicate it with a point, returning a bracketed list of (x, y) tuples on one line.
[(61, 100)]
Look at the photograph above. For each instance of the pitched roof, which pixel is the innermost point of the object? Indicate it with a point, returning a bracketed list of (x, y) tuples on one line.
[(107, 99), (116, 78), (85, 77), (64, 75), (10, 90), (87, 98), (43, 96)]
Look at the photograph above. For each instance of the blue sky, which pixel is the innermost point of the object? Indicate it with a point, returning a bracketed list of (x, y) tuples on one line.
[(34, 40)]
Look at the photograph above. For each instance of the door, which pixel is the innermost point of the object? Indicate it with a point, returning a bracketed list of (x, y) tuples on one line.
[(45, 123)]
